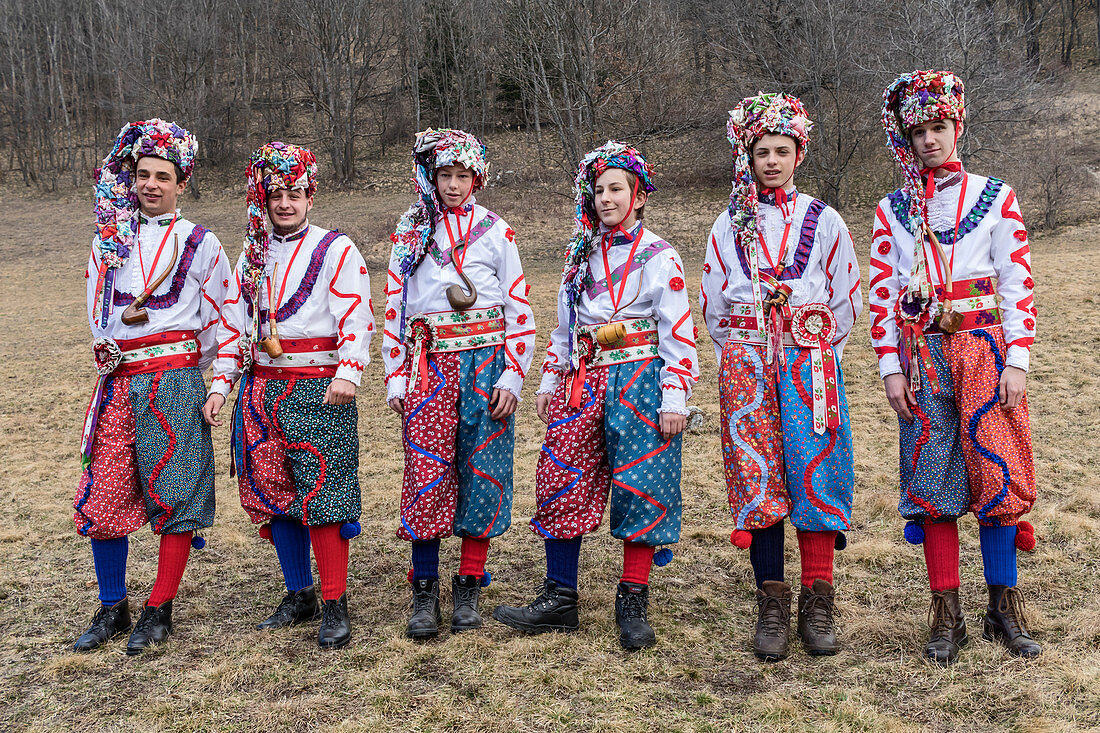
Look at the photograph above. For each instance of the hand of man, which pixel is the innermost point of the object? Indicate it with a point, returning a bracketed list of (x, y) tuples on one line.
[(1013, 387), (542, 406), (210, 410), (397, 404), (339, 392), (899, 395), (672, 424), (503, 403)]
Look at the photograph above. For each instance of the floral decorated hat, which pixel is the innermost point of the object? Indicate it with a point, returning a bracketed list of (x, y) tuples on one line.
[(273, 166), (433, 150), (116, 202), (611, 154), (910, 100), (751, 119)]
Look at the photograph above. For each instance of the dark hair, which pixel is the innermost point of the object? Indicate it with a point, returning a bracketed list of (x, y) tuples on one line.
[(175, 166)]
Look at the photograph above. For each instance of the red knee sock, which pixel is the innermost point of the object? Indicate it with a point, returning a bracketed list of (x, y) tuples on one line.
[(816, 551), (941, 555), (474, 553), (637, 562), (174, 551), (331, 551)]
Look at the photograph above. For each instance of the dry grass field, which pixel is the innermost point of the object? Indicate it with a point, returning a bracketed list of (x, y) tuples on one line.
[(217, 673)]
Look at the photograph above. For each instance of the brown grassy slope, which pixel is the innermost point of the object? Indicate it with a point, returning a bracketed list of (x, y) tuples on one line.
[(217, 673)]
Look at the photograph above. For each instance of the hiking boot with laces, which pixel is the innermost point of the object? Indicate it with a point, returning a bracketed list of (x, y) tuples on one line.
[(631, 604), (295, 608), (335, 631), (425, 619), (773, 621), (107, 623), (554, 610), (815, 619), (153, 627), (948, 628), (465, 590), (1005, 622)]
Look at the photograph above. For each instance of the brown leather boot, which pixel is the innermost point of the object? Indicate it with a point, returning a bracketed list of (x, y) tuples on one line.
[(945, 617), (773, 621), (815, 619), (1004, 621)]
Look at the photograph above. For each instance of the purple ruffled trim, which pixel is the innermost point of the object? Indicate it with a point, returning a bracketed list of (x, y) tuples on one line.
[(169, 299), (801, 255), (305, 287)]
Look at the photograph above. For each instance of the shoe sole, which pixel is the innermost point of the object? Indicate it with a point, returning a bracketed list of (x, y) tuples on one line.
[(770, 657), (822, 652), (536, 628), (460, 629), (990, 635), (299, 622), (104, 642), (637, 647), (948, 662), (335, 645)]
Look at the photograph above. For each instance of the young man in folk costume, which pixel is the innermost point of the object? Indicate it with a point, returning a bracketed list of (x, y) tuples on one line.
[(458, 341), (953, 320), (296, 329), (780, 294), (155, 285), (619, 368)]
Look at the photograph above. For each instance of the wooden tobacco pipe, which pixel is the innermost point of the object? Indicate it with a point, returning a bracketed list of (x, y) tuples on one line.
[(134, 313)]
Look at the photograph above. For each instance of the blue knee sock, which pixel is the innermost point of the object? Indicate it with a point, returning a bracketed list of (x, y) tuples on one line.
[(291, 540), (766, 553), (110, 568), (425, 559), (999, 554), (562, 559)]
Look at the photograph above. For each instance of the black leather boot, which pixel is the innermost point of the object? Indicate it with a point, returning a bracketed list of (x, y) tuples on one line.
[(426, 617), (554, 610), (295, 608), (631, 604), (773, 621), (465, 590), (107, 623), (153, 627), (335, 631), (1005, 622), (948, 635)]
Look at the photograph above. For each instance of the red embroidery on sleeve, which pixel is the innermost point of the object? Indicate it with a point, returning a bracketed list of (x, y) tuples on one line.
[(878, 332), (676, 283), (395, 352)]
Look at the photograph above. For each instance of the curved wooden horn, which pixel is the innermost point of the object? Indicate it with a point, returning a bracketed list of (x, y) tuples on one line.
[(459, 299)]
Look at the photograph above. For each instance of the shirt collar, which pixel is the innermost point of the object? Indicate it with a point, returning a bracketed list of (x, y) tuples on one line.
[(162, 220), (291, 237), (618, 237)]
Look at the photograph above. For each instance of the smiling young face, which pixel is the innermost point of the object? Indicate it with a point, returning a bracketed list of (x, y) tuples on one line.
[(615, 199), (157, 184), (288, 208), (934, 142), (774, 159), (454, 183)]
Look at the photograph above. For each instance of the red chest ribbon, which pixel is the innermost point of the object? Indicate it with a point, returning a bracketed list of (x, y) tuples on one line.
[(813, 326)]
